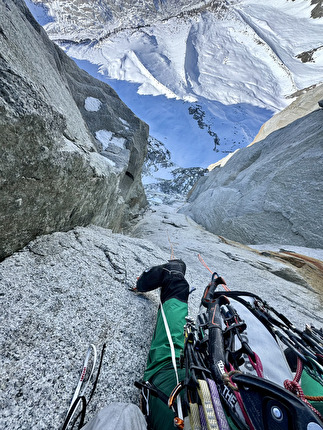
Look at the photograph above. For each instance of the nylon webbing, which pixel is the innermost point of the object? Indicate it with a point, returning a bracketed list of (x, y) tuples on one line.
[(172, 349), (209, 413), (195, 417)]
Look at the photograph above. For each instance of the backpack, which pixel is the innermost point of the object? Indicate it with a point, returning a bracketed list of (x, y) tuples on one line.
[(248, 367)]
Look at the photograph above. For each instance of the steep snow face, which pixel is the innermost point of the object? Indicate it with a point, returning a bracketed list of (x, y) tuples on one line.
[(114, 15), (231, 52), (234, 59)]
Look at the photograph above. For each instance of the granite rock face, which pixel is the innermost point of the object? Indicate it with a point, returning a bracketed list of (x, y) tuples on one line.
[(301, 106), (71, 150), (270, 192), (67, 290)]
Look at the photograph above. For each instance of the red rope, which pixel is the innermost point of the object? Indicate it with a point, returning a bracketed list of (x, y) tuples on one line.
[(295, 388), (171, 248), (257, 365), (224, 285), (240, 401)]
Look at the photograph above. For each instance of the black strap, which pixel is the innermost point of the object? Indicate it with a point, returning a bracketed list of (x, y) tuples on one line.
[(71, 412), (153, 390), (262, 397), (82, 399)]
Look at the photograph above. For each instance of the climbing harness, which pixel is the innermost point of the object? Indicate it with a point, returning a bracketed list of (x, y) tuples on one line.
[(223, 343)]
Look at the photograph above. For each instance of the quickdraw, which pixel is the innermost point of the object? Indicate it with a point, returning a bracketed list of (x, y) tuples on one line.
[(79, 400)]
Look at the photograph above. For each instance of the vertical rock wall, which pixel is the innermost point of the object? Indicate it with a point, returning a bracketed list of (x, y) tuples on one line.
[(270, 192), (71, 150)]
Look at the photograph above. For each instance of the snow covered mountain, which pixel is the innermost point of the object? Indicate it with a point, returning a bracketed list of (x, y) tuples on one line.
[(163, 180), (235, 61)]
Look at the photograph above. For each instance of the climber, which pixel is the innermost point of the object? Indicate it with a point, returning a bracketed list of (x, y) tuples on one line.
[(200, 382), (160, 371), (163, 371)]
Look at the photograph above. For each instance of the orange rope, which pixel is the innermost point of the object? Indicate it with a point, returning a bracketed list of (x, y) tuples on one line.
[(206, 266), (315, 398), (171, 248), (225, 286)]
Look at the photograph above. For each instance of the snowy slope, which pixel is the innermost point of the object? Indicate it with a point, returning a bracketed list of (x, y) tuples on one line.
[(221, 55), (249, 47)]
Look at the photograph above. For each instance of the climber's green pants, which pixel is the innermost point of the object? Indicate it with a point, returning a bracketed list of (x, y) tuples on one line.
[(160, 369)]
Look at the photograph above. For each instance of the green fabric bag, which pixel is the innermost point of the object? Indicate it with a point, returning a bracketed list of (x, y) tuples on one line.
[(312, 387)]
